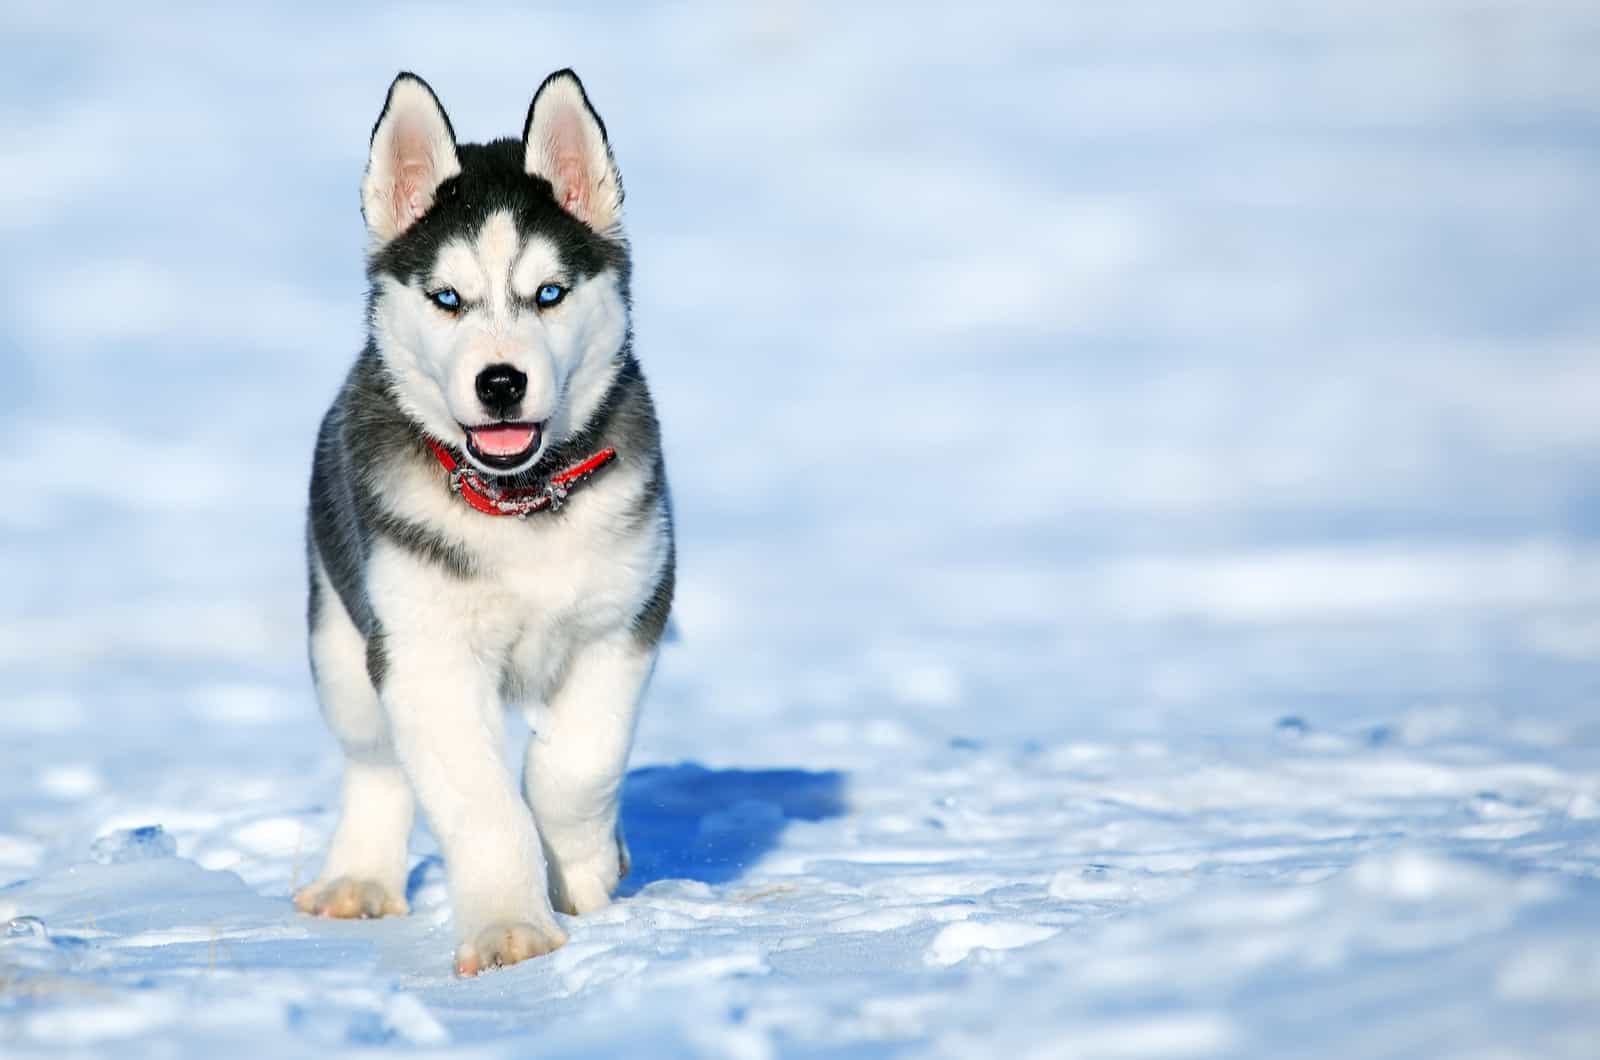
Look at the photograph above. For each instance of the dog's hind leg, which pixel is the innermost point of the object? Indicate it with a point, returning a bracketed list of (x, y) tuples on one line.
[(364, 873), (575, 766)]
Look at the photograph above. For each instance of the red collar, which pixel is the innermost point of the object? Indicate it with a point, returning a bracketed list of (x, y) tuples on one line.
[(521, 502)]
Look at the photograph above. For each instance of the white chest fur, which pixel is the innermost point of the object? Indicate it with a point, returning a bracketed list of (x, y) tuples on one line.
[(539, 587)]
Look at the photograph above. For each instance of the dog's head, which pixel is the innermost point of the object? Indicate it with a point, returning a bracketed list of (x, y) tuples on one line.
[(499, 271)]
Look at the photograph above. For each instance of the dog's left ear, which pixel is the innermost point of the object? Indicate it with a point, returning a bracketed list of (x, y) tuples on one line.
[(564, 141)]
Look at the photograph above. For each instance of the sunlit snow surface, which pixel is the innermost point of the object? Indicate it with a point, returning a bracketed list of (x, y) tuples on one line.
[(1135, 467)]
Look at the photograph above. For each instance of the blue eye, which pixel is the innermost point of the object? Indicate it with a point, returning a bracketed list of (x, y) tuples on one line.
[(446, 298), (550, 294)]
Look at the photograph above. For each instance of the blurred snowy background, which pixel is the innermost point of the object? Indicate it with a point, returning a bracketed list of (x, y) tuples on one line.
[(1136, 468)]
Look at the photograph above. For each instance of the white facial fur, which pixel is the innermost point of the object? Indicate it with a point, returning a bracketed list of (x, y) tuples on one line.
[(567, 351)]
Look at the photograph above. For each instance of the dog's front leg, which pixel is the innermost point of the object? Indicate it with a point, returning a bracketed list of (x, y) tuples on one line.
[(445, 715)]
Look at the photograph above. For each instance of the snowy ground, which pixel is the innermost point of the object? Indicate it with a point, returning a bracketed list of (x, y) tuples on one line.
[(1140, 545)]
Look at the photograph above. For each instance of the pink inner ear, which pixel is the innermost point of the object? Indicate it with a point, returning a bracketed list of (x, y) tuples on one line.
[(410, 199), (572, 186), (567, 147), (414, 179)]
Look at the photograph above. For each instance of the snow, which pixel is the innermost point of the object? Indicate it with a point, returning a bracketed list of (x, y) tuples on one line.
[(1140, 588)]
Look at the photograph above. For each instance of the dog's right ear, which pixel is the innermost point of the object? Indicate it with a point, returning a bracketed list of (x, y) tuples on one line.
[(413, 151)]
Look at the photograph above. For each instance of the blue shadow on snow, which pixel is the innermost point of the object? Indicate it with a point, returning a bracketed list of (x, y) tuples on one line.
[(687, 822)]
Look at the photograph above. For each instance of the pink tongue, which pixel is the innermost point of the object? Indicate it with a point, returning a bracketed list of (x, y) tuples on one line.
[(504, 440)]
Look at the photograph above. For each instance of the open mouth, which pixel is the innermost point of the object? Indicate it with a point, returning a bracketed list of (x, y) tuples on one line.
[(504, 446)]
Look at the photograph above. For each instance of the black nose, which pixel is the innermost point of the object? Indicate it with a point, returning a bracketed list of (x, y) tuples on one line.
[(501, 386)]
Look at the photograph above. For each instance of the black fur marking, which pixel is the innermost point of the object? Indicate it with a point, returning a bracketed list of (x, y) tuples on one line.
[(425, 543), (314, 601), (651, 623), (654, 501), (513, 686), (313, 589), (334, 533), (377, 659)]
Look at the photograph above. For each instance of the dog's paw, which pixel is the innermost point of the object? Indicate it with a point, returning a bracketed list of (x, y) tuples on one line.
[(581, 888), (505, 943), (349, 898)]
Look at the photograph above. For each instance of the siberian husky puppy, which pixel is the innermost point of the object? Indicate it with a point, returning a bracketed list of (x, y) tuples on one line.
[(489, 527)]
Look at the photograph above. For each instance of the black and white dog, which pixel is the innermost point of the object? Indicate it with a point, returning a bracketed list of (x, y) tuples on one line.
[(489, 526)]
